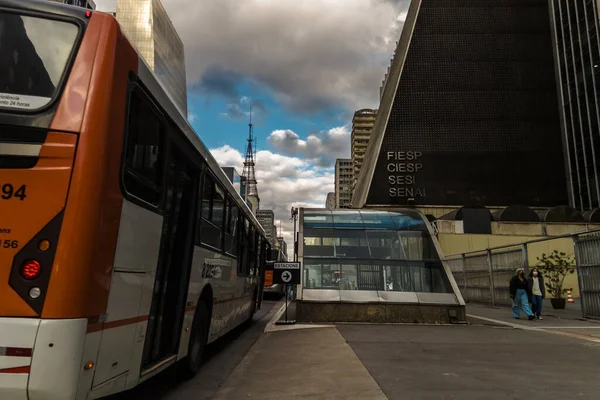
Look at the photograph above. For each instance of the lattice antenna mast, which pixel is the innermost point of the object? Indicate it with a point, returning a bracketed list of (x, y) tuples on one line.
[(249, 173)]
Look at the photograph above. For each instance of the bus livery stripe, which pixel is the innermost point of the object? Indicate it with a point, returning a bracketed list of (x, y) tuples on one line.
[(16, 370), (16, 351)]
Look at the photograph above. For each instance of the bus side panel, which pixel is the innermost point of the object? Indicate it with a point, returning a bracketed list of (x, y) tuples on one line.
[(130, 296), (80, 282), (210, 267)]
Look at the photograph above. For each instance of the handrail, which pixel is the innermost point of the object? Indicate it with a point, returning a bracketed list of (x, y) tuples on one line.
[(564, 235)]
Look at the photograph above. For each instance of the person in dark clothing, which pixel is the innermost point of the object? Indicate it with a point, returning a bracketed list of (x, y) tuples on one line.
[(537, 290), (519, 292)]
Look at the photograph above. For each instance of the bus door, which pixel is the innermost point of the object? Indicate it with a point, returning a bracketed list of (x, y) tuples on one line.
[(174, 261)]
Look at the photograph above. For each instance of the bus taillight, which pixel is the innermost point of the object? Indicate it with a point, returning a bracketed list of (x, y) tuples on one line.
[(31, 269)]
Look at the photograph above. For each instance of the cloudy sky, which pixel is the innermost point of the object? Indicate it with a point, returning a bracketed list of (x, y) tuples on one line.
[(304, 65)]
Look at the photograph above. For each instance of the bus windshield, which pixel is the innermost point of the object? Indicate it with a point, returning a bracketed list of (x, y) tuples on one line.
[(34, 53)]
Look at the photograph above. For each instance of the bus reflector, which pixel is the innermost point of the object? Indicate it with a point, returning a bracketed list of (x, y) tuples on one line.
[(88, 14), (44, 245), (35, 292), (31, 269)]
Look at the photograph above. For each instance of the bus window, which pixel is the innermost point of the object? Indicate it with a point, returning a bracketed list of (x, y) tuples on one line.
[(213, 205), (143, 152), (231, 243), (33, 59)]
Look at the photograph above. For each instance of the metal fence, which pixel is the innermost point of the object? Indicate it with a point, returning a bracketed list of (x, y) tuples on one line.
[(587, 254), (484, 276)]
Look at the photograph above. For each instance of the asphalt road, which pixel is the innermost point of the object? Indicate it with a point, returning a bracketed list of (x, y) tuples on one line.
[(475, 362), (222, 357)]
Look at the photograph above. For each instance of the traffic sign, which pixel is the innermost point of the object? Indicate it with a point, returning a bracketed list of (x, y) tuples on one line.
[(287, 273)]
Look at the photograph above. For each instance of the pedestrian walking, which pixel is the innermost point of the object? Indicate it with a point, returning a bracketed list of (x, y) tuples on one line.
[(520, 293), (538, 291)]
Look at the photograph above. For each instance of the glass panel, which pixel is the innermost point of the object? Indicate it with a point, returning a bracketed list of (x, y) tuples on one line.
[(349, 277), (34, 53), (418, 246), (317, 219), (377, 220), (351, 244), (207, 196), (350, 220), (210, 234), (408, 220), (218, 206), (318, 243), (385, 245)]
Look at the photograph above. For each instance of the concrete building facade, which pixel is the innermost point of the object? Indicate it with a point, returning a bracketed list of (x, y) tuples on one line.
[(266, 218), (362, 127), (343, 182), (481, 124), (330, 201), (147, 24)]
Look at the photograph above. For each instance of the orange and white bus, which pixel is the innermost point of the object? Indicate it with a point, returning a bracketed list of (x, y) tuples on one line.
[(124, 248)]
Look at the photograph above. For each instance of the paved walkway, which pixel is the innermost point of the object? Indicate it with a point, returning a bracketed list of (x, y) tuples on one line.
[(302, 363), (494, 357), (561, 322)]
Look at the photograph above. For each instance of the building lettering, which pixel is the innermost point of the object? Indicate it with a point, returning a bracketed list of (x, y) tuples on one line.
[(403, 168)]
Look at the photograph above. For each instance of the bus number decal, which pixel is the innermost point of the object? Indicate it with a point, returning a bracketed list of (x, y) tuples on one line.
[(8, 192), (12, 244)]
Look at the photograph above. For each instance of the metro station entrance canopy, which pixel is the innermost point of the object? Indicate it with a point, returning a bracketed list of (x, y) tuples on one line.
[(372, 257)]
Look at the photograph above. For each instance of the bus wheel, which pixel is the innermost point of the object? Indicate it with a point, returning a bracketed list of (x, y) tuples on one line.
[(190, 365)]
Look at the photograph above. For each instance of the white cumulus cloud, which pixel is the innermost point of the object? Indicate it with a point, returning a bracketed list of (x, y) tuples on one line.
[(322, 148)]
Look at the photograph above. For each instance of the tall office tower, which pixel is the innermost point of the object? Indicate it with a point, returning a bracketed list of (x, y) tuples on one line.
[(362, 126), (577, 39), (343, 182), (470, 111), (330, 201), (266, 218), (147, 25), (234, 178), (282, 246)]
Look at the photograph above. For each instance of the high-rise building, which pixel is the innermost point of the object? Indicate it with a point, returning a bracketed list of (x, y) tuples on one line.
[(266, 218), (234, 178), (282, 246), (362, 126), (330, 201), (480, 123), (343, 182), (577, 39), (147, 24)]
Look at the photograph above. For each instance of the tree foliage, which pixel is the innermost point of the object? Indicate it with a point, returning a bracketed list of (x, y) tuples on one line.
[(555, 267)]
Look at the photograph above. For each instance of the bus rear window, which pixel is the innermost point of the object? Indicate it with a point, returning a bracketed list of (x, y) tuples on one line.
[(34, 53)]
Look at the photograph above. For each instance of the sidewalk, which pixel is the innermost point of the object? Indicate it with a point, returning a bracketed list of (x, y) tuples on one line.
[(566, 322), (303, 363)]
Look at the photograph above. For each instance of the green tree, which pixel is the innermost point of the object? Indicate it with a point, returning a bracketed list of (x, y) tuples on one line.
[(555, 268)]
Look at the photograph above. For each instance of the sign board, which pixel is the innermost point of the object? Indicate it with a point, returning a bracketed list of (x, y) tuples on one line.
[(287, 273)]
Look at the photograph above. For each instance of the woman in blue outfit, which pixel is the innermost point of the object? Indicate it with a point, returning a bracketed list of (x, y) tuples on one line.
[(538, 291), (520, 293)]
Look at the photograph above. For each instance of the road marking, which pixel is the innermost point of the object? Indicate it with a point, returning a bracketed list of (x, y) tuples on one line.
[(589, 338)]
